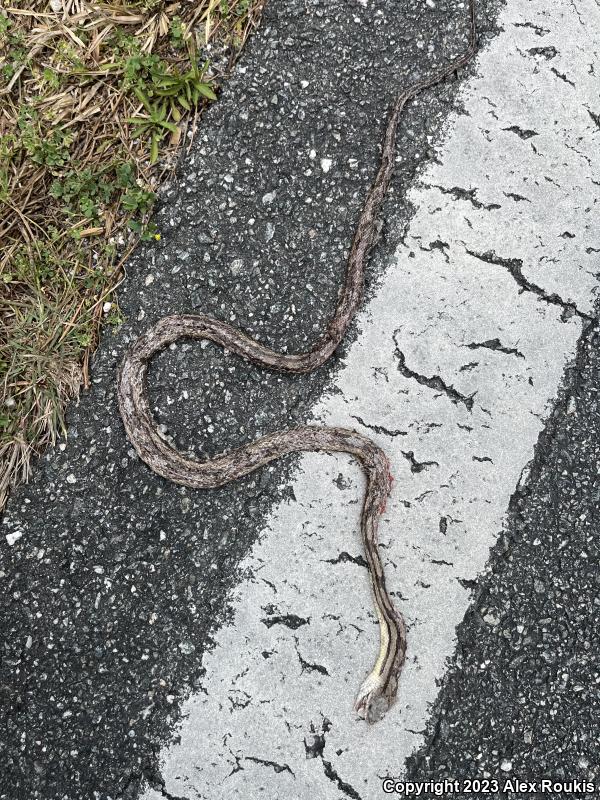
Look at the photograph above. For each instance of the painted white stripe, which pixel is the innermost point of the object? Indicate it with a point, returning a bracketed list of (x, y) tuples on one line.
[(261, 704)]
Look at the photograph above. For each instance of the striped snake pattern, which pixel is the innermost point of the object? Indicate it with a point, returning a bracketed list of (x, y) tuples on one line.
[(378, 691)]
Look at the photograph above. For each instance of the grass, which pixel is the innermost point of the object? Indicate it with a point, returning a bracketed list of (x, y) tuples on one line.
[(96, 102)]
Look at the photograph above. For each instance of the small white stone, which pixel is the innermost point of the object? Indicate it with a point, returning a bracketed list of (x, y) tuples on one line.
[(106, 307), (71, 478), (99, 570), (506, 765), (312, 153), (491, 619), (326, 164), (149, 279)]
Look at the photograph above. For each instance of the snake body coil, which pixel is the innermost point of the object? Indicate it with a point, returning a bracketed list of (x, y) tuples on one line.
[(378, 691)]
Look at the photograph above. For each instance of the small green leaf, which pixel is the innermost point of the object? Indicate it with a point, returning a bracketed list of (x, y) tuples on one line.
[(170, 126), (206, 90)]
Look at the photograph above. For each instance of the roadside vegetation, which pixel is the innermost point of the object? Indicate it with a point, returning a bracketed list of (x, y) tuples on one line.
[(96, 101)]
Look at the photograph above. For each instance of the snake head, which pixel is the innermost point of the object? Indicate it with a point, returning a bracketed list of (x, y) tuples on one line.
[(373, 699)]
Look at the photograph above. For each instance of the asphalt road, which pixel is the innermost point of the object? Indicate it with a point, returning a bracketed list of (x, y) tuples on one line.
[(459, 361), (522, 696), (101, 641), (114, 584)]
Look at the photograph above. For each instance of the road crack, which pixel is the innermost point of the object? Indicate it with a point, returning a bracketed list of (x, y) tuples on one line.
[(515, 268), (539, 31), (495, 344), (458, 193), (522, 133), (547, 52), (289, 620), (418, 466), (345, 558), (595, 118), (273, 764), (379, 428), (315, 749), (344, 787), (434, 382), (155, 779), (170, 796), (562, 76), (306, 665), (518, 198)]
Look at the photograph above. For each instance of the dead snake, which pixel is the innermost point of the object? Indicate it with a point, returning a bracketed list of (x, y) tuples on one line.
[(378, 691)]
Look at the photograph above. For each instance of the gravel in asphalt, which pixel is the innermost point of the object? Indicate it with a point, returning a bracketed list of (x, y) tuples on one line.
[(111, 579), (460, 357), (522, 696)]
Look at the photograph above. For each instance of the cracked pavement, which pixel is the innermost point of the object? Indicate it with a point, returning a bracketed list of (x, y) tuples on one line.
[(522, 693), (234, 626), (461, 352)]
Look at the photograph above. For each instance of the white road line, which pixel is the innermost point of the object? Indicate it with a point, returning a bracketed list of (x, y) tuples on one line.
[(530, 149)]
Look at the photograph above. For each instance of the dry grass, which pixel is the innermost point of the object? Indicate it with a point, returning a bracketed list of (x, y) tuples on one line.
[(96, 100)]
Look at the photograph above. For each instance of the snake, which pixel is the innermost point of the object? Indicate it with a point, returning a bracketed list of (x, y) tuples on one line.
[(378, 691)]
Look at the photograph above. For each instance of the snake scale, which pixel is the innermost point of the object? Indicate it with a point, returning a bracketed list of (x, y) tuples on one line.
[(378, 691)]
